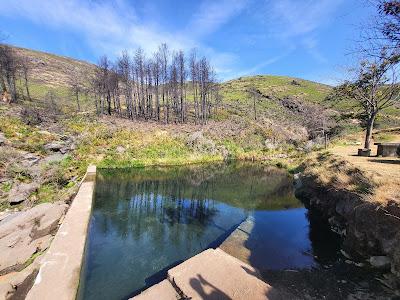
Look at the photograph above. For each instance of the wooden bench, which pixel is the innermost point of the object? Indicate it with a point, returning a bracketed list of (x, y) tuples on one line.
[(388, 149)]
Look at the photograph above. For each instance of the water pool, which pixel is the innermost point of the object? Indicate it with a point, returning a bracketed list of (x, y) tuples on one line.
[(145, 221)]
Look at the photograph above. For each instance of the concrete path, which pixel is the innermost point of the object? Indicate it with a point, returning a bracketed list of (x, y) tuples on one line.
[(212, 274)]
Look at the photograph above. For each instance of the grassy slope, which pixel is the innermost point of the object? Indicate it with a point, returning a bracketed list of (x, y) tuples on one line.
[(278, 86), (53, 70), (49, 72)]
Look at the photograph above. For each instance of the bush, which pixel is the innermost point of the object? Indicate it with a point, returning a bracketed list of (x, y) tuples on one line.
[(31, 116)]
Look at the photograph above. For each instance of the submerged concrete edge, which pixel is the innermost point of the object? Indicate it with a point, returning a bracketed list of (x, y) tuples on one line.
[(60, 268)]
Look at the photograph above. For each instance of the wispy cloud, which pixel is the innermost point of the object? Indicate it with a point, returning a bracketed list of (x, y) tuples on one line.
[(211, 15), (255, 69), (311, 46), (110, 27), (294, 17)]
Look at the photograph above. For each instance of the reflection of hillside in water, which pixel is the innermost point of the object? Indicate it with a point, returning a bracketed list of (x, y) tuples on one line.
[(243, 185)]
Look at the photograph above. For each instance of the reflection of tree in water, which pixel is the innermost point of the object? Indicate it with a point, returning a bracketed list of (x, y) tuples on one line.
[(153, 208)]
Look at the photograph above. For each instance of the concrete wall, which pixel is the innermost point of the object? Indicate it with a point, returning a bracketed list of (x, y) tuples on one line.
[(59, 272)]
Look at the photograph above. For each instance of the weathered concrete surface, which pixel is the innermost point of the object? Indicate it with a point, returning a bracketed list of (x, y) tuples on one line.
[(58, 276), (24, 233), (162, 291), (235, 244), (213, 274)]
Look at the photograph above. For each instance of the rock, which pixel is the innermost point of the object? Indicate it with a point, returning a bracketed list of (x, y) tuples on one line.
[(380, 262), (54, 158), (27, 233), (297, 181), (29, 160), (21, 192), (54, 146), (17, 284), (223, 151), (44, 132), (120, 150), (6, 290), (2, 139), (270, 144), (198, 142), (308, 147)]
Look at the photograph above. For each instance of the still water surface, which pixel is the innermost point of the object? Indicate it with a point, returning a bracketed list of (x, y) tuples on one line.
[(146, 221)]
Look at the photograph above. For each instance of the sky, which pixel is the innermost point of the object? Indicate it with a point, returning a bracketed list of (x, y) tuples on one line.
[(307, 39)]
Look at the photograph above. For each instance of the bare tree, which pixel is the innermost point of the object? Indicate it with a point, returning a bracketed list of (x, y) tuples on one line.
[(255, 95), (76, 87), (124, 71), (156, 71), (194, 74), (25, 66), (8, 71), (182, 75), (164, 56), (144, 83)]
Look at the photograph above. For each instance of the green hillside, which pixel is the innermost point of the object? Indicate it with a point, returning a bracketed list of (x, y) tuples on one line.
[(275, 87)]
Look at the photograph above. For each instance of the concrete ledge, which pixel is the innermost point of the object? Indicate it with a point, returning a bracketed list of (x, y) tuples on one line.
[(161, 291), (59, 272)]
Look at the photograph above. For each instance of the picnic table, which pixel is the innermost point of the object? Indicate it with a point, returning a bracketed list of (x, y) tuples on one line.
[(388, 149)]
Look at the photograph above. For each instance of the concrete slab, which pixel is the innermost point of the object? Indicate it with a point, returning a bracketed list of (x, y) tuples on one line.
[(162, 291), (213, 274), (59, 272)]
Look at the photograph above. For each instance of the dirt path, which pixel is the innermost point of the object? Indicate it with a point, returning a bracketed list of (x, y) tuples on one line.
[(388, 167)]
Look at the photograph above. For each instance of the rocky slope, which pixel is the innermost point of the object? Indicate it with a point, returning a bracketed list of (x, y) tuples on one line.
[(348, 198)]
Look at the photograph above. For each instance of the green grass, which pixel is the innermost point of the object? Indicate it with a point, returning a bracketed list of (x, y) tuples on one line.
[(278, 86)]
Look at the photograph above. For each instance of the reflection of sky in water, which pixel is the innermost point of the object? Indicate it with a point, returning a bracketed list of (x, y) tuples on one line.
[(141, 227), (280, 239)]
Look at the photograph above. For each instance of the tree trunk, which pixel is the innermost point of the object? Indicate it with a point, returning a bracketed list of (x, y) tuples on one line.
[(368, 134), (255, 109), (27, 87), (77, 101)]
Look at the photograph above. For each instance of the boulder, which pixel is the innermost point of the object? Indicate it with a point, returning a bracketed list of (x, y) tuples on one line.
[(17, 284), (120, 149), (270, 144), (55, 146), (27, 233), (54, 158), (380, 262), (3, 139), (21, 192), (198, 142), (29, 159)]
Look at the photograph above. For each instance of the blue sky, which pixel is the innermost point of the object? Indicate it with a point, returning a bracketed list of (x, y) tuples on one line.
[(300, 38)]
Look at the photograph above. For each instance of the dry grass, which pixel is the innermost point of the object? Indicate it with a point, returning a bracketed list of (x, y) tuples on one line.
[(377, 179)]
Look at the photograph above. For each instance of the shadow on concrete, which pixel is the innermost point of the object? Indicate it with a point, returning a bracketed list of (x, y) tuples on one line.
[(200, 285), (386, 161)]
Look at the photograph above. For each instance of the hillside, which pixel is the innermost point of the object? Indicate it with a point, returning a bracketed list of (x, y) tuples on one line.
[(285, 98), (53, 70), (275, 87)]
